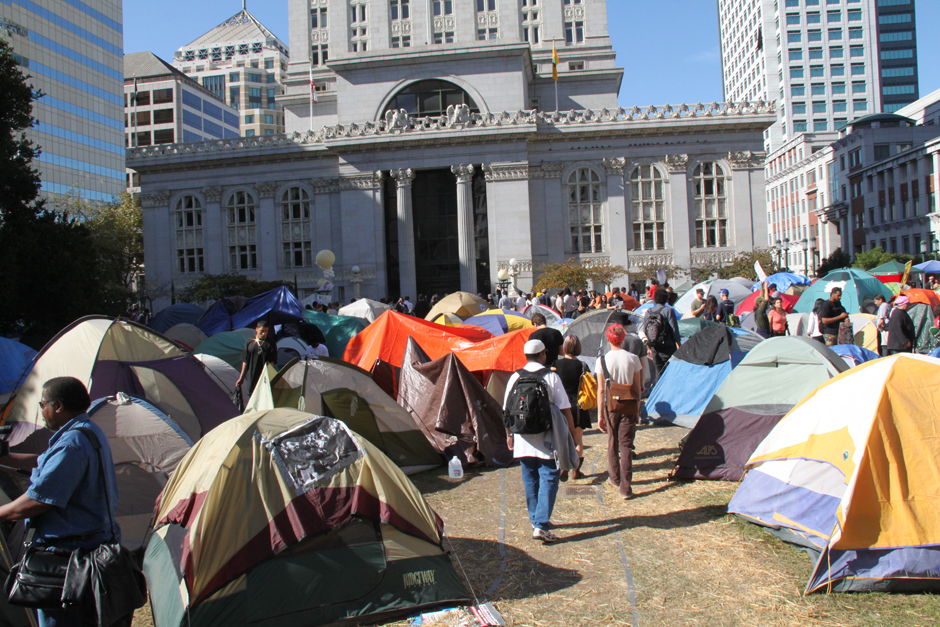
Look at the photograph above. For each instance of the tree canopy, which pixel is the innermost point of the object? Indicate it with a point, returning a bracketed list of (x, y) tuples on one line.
[(213, 287), (576, 273)]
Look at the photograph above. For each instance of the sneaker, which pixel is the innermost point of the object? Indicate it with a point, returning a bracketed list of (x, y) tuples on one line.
[(547, 537)]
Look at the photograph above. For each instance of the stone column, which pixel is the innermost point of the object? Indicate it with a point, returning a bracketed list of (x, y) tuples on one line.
[(266, 221), (214, 249), (934, 224), (618, 227), (465, 231), (678, 215), (406, 233)]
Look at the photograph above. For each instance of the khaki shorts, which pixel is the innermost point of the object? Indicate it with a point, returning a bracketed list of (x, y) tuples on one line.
[(831, 340)]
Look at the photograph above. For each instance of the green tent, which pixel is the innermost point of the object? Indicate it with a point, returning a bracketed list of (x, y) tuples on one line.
[(227, 346), (337, 330), (690, 326), (923, 321), (894, 267), (858, 291)]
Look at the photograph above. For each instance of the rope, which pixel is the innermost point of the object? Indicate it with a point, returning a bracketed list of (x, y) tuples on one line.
[(502, 536), (476, 601)]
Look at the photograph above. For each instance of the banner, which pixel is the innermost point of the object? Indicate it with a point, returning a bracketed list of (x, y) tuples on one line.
[(907, 271), (761, 275), (661, 275)]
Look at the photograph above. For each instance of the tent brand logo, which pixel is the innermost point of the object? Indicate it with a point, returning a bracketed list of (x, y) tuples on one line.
[(708, 450), (419, 578)]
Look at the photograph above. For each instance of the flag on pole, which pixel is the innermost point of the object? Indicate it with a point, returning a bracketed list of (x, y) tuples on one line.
[(554, 62), (907, 271), (313, 88)]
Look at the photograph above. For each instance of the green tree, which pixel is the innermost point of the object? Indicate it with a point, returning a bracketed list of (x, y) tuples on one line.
[(572, 273), (872, 258), (836, 260), (649, 273), (19, 180), (743, 265), (605, 274), (213, 287)]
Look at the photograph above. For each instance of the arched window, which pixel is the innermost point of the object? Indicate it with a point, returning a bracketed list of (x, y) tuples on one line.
[(242, 246), (649, 209), (189, 257), (711, 206), (295, 228), (430, 98), (585, 218)]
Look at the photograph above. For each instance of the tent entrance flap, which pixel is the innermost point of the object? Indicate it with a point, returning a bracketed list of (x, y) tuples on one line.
[(314, 451)]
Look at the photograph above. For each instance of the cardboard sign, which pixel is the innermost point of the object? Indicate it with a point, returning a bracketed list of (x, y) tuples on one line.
[(761, 275)]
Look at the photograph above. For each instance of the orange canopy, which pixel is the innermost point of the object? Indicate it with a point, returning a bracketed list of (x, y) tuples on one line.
[(386, 338), (500, 353), (928, 297)]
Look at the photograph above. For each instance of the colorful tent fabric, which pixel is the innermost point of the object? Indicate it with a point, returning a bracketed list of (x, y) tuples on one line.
[(927, 297), (189, 335), (551, 316), (866, 333), (364, 308), (929, 267), (180, 313), (503, 353), (463, 304), (328, 530), (893, 271), (736, 292), (227, 346), (858, 291), (337, 330), (455, 412), (16, 361), (224, 375), (111, 356), (449, 320), (386, 339), (334, 388), (772, 378), (748, 304), (146, 446), (851, 473), (853, 355), (894, 287), (500, 321), (277, 306), (784, 281), (694, 374)]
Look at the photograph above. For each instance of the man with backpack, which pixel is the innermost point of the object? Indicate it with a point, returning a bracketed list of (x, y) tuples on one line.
[(530, 393), (726, 313), (659, 330)]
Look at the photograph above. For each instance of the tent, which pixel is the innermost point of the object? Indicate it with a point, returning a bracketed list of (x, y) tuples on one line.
[(929, 267), (690, 326), (503, 353), (893, 271), (592, 326), (449, 320), (851, 474), (364, 308), (740, 280), (866, 333), (188, 335), (463, 304), (180, 313), (683, 287), (748, 304), (111, 356), (328, 530), (858, 291), (146, 445), (853, 355), (894, 287), (922, 317), (337, 330), (694, 374), (765, 385), (334, 388), (277, 306), (550, 314), (737, 292), (927, 297), (455, 412), (500, 321), (224, 375), (784, 281), (227, 346), (16, 361), (639, 311)]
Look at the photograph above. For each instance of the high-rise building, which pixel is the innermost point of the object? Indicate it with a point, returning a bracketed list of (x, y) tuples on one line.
[(825, 62), (72, 51), (244, 64)]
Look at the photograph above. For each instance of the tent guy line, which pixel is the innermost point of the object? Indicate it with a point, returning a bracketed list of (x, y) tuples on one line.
[(502, 537)]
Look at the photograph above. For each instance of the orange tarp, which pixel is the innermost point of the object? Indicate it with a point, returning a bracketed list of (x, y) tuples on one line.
[(928, 297), (387, 337), (500, 353)]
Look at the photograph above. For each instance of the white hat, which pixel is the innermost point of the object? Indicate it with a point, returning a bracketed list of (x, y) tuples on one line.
[(533, 347)]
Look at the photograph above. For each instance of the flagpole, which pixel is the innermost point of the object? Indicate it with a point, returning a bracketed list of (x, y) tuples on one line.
[(556, 95), (312, 88)]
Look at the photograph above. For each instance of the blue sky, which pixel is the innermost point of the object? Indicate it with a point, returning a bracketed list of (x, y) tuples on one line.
[(668, 48)]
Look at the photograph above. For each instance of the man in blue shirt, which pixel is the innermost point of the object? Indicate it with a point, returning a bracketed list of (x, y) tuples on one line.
[(65, 504)]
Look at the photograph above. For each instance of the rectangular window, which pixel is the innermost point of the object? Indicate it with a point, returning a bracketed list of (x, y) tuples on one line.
[(856, 33), (319, 55), (816, 71), (796, 55), (896, 90), (250, 132), (794, 37), (142, 118), (318, 19), (799, 126), (796, 72), (814, 35), (837, 70), (835, 52), (903, 53), (857, 51), (839, 106), (234, 97), (813, 18), (574, 32), (798, 108), (268, 119), (254, 97), (446, 37), (859, 105), (835, 34), (792, 3), (838, 88), (797, 90), (163, 136), (904, 35), (189, 237), (815, 54), (855, 16), (858, 88), (401, 42), (233, 77), (161, 96), (400, 10), (819, 107), (443, 7), (244, 257), (818, 89), (250, 119), (793, 19), (253, 78), (833, 16), (897, 18), (163, 116), (820, 125)]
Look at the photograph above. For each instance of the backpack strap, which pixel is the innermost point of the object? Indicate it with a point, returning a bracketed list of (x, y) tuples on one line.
[(96, 444)]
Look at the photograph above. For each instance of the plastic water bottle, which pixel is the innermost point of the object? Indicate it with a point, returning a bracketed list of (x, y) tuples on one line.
[(455, 468)]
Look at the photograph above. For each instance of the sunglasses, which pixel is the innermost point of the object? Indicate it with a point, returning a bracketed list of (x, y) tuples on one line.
[(42, 404)]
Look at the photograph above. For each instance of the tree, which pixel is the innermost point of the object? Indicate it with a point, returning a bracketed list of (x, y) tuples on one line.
[(743, 265), (571, 274), (605, 274), (872, 258), (836, 260), (19, 180), (649, 273), (213, 287)]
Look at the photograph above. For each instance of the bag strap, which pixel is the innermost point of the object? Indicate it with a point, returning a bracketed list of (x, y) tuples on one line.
[(96, 444)]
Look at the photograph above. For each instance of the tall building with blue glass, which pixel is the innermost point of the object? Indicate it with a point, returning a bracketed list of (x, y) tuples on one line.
[(73, 52)]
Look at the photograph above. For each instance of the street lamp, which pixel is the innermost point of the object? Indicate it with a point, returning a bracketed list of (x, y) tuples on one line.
[(786, 254), (356, 279), (778, 248), (923, 248), (812, 253), (804, 243)]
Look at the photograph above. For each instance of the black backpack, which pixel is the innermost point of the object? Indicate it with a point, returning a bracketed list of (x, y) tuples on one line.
[(659, 332), (529, 408)]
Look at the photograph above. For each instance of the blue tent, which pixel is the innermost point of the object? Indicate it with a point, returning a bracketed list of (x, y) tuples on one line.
[(180, 313), (784, 281), (930, 267), (277, 306), (858, 291), (853, 355), (16, 361)]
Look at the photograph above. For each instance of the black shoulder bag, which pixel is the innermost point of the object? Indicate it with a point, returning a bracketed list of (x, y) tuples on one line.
[(106, 580)]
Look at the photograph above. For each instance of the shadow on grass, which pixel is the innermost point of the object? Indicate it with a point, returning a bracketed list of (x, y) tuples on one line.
[(670, 520)]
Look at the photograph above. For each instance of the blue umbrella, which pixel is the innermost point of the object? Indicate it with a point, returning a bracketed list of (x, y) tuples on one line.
[(931, 267)]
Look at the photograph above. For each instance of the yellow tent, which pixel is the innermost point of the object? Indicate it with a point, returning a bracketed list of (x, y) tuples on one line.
[(463, 304), (866, 333)]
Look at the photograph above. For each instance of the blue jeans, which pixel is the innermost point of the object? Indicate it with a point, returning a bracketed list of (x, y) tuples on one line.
[(64, 618), (540, 478)]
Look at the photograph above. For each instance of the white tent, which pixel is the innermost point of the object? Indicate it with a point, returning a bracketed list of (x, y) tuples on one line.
[(364, 308), (736, 292)]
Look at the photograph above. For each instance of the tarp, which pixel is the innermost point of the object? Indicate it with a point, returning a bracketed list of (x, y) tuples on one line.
[(334, 388), (227, 346), (858, 291), (455, 412), (503, 353), (337, 330), (463, 304), (772, 378), (853, 355), (852, 474), (500, 321), (222, 310), (364, 308), (748, 304), (927, 297), (188, 335), (783, 281), (929, 267), (736, 293), (328, 530), (180, 313), (277, 306), (15, 364), (111, 356)]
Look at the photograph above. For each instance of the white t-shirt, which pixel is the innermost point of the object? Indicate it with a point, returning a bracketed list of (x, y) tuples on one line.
[(537, 444), (521, 303), (320, 351), (621, 364)]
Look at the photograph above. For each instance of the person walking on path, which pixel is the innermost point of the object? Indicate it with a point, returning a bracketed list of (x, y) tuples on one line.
[(619, 419), (659, 330), (570, 369), (831, 315), (901, 332), (257, 352), (540, 474)]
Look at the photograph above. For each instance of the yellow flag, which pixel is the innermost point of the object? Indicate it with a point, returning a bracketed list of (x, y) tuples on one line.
[(907, 271), (554, 63)]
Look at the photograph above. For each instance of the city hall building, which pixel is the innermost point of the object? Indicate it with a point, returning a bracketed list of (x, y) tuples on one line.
[(427, 144)]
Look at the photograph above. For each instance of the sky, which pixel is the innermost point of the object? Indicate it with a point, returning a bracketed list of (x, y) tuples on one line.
[(668, 48)]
